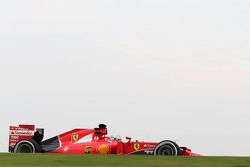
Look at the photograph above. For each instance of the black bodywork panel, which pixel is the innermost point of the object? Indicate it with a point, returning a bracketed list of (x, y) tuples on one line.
[(50, 145)]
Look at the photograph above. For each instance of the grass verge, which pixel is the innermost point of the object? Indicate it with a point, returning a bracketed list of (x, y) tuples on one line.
[(63, 160)]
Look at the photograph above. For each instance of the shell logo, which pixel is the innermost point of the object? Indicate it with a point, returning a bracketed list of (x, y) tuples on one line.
[(103, 149)]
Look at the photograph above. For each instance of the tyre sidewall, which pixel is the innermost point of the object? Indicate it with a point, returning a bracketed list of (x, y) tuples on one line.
[(170, 143), (35, 146)]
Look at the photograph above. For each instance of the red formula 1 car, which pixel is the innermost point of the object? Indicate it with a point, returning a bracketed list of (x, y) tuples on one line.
[(28, 139)]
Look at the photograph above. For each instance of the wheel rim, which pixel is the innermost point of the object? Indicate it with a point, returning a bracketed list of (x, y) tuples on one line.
[(25, 148), (166, 150)]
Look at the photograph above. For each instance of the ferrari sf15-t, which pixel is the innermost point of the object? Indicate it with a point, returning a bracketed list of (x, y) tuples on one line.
[(28, 139)]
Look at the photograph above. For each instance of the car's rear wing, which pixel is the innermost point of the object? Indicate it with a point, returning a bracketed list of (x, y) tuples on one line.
[(21, 132)]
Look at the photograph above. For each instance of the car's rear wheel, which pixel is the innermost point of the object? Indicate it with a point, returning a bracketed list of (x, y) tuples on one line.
[(27, 146), (167, 148)]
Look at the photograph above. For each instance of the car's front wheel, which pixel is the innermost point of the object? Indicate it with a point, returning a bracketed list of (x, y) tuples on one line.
[(167, 148)]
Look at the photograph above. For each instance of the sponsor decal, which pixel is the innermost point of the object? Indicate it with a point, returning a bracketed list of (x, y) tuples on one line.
[(149, 152), (88, 150), (22, 133), (136, 146), (14, 137), (66, 149), (103, 149), (149, 145), (75, 137), (12, 144)]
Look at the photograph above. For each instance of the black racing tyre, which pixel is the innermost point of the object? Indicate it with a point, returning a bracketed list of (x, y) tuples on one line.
[(27, 146), (167, 148)]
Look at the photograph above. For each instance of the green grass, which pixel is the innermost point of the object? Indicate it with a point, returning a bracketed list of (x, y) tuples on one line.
[(59, 160)]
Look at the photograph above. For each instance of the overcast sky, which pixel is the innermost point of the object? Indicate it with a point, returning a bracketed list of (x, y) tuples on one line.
[(150, 69)]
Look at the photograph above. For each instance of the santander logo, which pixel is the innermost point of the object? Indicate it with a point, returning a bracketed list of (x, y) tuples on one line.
[(22, 133)]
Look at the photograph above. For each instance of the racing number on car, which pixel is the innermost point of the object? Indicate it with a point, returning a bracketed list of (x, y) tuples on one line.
[(75, 137), (136, 146)]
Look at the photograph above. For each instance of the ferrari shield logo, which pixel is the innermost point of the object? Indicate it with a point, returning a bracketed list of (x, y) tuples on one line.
[(136, 146), (75, 137)]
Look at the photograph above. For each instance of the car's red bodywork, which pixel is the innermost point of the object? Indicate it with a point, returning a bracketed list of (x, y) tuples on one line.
[(84, 141)]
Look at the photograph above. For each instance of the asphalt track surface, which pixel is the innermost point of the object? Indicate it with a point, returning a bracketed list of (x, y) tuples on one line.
[(59, 160)]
